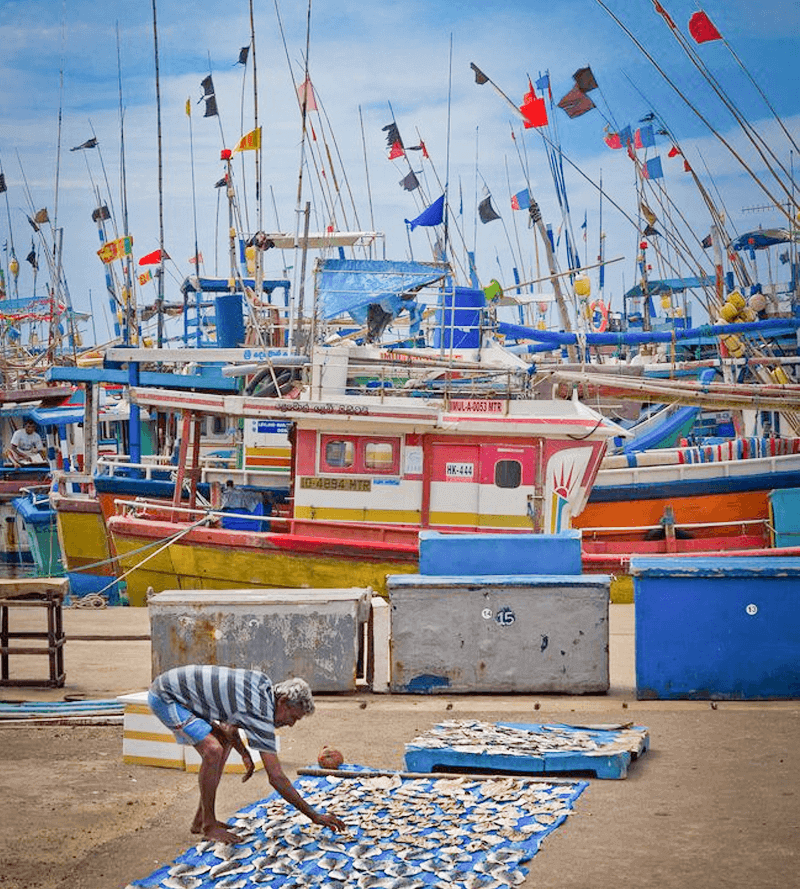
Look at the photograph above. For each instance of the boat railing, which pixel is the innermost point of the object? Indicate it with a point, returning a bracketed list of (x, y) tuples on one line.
[(605, 530), (141, 507)]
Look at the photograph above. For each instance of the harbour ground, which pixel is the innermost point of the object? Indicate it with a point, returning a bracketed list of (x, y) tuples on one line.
[(714, 803)]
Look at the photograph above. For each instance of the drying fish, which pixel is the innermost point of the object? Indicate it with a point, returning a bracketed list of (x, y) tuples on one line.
[(182, 882)]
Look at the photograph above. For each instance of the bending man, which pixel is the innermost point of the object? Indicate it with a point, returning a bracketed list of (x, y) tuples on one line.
[(205, 706)]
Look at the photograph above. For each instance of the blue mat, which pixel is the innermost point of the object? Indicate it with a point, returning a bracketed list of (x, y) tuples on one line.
[(402, 834)]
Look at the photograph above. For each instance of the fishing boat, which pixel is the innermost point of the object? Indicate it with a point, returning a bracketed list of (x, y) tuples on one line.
[(368, 473)]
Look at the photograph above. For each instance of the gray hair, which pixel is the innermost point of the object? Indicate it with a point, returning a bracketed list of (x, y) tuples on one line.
[(297, 693)]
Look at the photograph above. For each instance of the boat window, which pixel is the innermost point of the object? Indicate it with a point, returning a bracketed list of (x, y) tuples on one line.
[(508, 473), (379, 455), (218, 425), (339, 454)]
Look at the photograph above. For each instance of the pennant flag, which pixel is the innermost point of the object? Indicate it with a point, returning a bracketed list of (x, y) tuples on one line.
[(116, 249), (576, 103), (533, 110), (486, 211), (648, 214), (145, 277), (480, 77), (153, 258), (392, 135), (432, 215), (243, 53), (89, 143), (652, 169), (421, 147), (647, 118), (702, 28), (521, 200), (650, 231), (584, 79), (543, 83), (207, 85), (410, 181), (584, 226), (221, 182), (196, 260), (673, 151), (249, 142), (41, 216), (211, 107), (305, 95), (613, 140), (188, 107), (644, 138), (687, 167), (102, 212), (34, 226), (396, 151), (31, 258), (3, 186)]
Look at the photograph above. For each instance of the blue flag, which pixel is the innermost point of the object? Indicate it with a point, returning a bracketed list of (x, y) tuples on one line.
[(521, 200), (653, 170), (432, 215)]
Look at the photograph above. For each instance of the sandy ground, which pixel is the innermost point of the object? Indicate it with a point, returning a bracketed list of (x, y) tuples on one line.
[(715, 802)]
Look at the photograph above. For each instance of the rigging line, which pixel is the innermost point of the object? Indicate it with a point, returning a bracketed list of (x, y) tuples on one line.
[(257, 159), (748, 129), (160, 286), (677, 90), (366, 171), (447, 152), (518, 261), (242, 153)]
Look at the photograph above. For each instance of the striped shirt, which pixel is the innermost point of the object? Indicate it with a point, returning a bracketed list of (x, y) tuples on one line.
[(241, 697)]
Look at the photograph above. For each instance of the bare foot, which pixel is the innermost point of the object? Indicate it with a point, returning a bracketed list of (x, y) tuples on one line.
[(197, 826), (219, 834)]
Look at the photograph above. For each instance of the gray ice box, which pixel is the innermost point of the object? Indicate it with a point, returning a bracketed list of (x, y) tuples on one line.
[(485, 634), (313, 634)]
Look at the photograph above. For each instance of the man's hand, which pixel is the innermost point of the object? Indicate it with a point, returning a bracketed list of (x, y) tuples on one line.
[(326, 819)]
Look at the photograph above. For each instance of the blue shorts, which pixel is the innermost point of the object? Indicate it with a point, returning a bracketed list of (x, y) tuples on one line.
[(187, 728)]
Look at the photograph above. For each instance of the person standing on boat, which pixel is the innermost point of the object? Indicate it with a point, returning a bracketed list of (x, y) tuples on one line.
[(205, 706), (26, 446)]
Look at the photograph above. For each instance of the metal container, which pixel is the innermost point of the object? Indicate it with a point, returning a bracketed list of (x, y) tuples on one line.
[(314, 634), (725, 628), (510, 633)]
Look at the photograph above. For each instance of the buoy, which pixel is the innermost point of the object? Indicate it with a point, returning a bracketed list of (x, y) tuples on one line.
[(729, 312), (583, 286), (599, 306)]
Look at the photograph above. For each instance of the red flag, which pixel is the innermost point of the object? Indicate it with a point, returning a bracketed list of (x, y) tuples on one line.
[(153, 258), (673, 151), (702, 28), (613, 140), (687, 167), (396, 151), (533, 110)]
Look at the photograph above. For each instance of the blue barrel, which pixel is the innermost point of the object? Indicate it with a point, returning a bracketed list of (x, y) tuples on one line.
[(458, 321), (229, 320)]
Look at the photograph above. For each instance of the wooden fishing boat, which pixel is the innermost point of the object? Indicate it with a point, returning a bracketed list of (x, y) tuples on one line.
[(368, 473)]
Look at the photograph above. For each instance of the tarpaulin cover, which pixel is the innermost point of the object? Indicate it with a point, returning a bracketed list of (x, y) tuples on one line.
[(350, 286), (463, 831), (762, 238)]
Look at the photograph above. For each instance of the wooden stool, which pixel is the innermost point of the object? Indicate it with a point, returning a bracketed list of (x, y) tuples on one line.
[(34, 592)]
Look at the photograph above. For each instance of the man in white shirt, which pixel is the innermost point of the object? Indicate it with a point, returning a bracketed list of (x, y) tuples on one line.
[(26, 446)]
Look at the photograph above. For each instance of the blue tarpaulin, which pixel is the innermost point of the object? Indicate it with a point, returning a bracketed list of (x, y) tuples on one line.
[(350, 286)]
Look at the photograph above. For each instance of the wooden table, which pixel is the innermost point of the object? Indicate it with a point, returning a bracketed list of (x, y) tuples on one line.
[(34, 592)]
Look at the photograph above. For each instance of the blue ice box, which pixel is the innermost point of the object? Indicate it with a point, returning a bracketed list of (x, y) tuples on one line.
[(486, 553), (725, 628)]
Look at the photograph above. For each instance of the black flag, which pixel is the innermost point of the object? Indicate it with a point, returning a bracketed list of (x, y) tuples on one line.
[(89, 143), (211, 107), (410, 181), (243, 53), (31, 258), (101, 212), (486, 211), (480, 77), (584, 79), (208, 86), (3, 183), (392, 135), (222, 182)]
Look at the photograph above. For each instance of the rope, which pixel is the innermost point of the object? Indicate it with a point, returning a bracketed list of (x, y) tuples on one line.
[(91, 600)]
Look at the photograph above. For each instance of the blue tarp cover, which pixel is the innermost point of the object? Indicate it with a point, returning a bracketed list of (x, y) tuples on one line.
[(350, 286)]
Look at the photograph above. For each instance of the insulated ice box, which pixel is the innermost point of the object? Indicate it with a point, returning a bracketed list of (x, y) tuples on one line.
[(725, 628), (509, 633), (314, 634)]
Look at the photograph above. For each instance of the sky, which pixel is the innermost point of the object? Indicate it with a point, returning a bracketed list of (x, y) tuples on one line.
[(70, 68)]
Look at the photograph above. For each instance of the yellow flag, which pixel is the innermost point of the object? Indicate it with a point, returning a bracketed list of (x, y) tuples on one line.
[(188, 108), (249, 142)]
